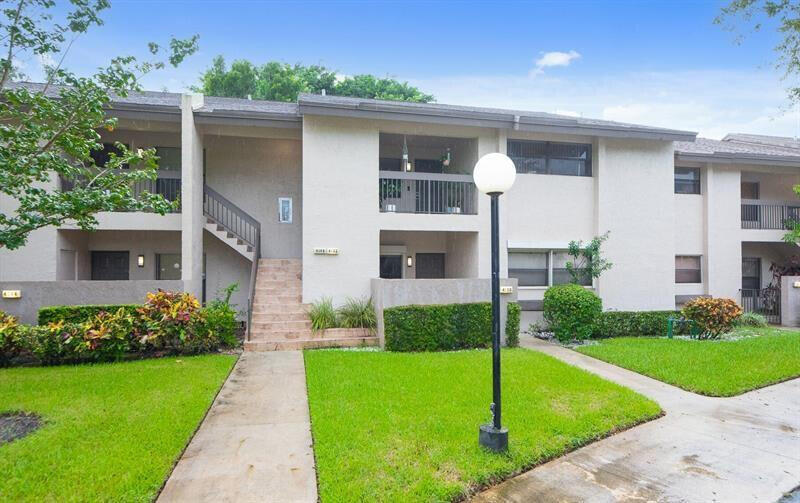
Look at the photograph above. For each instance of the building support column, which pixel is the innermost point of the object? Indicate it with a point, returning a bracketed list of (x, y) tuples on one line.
[(191, 196)]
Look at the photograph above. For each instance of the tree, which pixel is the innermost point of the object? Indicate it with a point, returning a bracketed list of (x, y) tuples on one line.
[(587, 261), (284, 82), (787, 15), (49, 131)]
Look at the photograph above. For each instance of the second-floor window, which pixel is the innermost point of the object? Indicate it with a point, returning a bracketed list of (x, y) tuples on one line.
[(169, 158), (551, 158), (687, 180)]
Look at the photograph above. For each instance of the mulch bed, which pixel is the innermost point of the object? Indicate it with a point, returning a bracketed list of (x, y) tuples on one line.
[(14, 425)]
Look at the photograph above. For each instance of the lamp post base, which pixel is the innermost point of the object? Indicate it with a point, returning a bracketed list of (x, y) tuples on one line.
[(492, 438)]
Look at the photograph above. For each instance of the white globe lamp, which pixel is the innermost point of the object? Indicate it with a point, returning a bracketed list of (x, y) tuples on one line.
[(494, 173)]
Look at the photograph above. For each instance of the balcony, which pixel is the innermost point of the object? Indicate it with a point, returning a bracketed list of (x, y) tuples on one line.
[(772, 215), (429, 193), (168, 184)]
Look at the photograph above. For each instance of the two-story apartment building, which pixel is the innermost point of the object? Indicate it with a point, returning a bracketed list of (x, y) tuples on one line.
[(300, 201)]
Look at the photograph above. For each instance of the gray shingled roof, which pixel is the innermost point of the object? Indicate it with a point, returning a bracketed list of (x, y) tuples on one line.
[(397, 110), (733, 149), (759, 139), (519, 118)]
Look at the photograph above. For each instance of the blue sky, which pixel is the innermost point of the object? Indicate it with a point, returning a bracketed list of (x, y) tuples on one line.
[(658, 63)]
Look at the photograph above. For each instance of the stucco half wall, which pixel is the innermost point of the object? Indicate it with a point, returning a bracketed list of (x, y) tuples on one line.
[(38, 294), (388, 293)]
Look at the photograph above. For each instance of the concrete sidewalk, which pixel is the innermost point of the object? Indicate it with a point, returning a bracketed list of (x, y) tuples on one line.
[(739, 449), (255, 444)]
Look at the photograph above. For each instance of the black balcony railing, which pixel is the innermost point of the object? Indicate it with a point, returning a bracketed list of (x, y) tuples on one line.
[(432, 193), (168, 185), (764, 301), (757, 214)]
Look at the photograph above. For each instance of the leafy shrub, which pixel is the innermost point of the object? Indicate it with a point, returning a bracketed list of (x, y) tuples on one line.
[(512, 324), (635, 323), (107, 336), (11, 343), (56, 342), (714, 316), (166, 318), (322, 314), (357, 313), (751, 319), (80, 314), (220, 317), (571, 311), (440, 327)]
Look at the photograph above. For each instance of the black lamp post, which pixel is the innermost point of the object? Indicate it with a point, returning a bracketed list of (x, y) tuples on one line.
[(494, 174)]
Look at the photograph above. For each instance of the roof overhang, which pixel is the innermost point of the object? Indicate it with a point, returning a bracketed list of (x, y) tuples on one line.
[(490, 119), (255, 119), (738, 158)]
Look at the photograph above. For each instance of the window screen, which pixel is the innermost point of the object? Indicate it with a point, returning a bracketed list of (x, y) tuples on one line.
[(169, 158), (751, 273), (552, 158), (560, 273), (687, 269), (687, 180), (530, 268)]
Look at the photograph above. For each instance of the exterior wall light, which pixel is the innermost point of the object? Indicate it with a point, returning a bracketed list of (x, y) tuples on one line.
[(140, 260), (494, 174), (409, 261)]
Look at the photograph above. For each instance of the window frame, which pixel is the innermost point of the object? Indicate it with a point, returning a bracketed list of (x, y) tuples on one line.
[(548, 155), (699, 270), (281, 200), (550, 267), (159, 258), (694, 185)]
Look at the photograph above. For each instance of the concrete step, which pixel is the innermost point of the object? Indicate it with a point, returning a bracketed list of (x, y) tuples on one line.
[(287, 290), (280, 326), (281, 276), (279, 308), (310, 344), (277, 299), (268, 317), (278, 283), (280, 261)]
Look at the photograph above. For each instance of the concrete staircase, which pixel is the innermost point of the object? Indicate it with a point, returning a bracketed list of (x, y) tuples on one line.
[(229, 238), (280, 319)]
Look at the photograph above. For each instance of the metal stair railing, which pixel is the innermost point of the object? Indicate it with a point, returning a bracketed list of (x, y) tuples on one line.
[(244, 227)]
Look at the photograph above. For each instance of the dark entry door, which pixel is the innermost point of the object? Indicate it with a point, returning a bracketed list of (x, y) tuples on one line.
[(110, 265), (430, 265), (391, 266)]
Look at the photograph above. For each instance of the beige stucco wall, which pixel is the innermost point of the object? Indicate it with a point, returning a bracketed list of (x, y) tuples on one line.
[(223, 267), (253, 173), (634, 197), (340, 169), (147, 243), (722, 226)]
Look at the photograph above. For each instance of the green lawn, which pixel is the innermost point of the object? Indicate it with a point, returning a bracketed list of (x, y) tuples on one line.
[(112, 431), (404, 426), (715, 368)]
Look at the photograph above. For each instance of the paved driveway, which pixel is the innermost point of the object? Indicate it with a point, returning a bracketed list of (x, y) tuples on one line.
[(739, 449)]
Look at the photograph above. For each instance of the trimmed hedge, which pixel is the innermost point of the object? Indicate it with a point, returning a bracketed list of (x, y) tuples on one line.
[(443, 327), (512, 325), (571, 311), (80, 314), (635, 324)]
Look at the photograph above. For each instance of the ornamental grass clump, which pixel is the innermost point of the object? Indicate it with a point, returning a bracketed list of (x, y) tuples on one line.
[(714, 316), (323, 315), (357, 313)]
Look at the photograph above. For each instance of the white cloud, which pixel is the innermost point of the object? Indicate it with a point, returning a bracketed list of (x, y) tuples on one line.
[(556, 58)]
